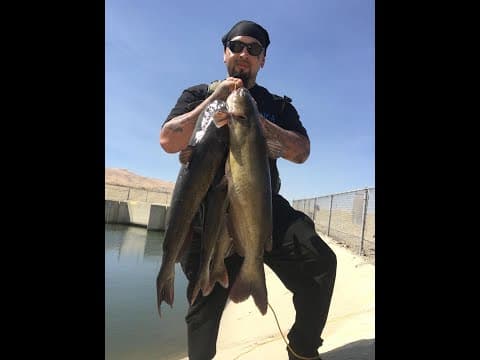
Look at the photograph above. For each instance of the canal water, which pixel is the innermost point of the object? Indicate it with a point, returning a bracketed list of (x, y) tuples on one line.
[(133, 328)]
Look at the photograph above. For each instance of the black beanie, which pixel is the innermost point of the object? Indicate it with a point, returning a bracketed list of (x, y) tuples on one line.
[(247, 28)]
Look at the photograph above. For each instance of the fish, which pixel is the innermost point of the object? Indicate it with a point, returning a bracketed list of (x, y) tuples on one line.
[(223, 249), (215, 216), (205, 153), (249, 195)]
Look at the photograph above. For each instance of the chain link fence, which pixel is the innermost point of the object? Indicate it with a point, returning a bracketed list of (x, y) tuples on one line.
[(348, 218)]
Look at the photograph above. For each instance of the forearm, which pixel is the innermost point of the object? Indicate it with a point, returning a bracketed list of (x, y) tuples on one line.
[(285, 143), (175, 134)]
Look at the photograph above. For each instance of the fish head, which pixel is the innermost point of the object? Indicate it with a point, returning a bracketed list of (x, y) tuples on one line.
[(242, 108)]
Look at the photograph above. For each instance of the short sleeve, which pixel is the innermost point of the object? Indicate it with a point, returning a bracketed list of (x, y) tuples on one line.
[(189, 100), (290, 120)]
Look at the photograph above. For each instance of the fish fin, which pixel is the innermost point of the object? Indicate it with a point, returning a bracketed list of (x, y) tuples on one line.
[(259, 295), (251, 283), (194, 294), (165, 291), (203, 280), (204, 283), (186, 154), (207, 288), (228, 171), (222, 184), (221, 276), (238, 246), (220, 118), (233, 231)]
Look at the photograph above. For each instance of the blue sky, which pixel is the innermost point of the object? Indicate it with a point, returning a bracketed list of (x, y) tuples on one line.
[(321, 55)]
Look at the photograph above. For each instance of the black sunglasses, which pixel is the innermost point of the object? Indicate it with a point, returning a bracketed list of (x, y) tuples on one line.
[(253, 49)]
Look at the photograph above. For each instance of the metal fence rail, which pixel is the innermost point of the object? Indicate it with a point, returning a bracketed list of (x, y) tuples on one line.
[(347, 217)]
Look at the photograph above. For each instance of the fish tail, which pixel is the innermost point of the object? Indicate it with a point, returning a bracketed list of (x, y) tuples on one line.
[(251, 283), (195, 292), (205, 283), (202, 283), (259, 290), (221, 276)]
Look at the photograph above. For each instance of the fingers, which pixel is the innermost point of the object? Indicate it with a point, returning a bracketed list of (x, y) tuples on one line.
[(234, 83), (226, 87)]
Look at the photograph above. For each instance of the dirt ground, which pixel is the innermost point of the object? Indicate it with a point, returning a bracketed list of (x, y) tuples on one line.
[(127, 178)]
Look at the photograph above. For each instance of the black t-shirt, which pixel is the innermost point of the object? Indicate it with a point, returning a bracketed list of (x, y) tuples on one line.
[(275, 108)]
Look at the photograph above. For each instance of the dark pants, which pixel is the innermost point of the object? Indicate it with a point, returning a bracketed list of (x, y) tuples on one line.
[(302, 261)]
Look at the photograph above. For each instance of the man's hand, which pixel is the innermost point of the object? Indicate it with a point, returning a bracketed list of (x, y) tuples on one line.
[(225, 87), (176, 133)]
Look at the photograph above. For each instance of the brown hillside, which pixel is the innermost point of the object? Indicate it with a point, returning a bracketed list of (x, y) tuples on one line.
[(124, 177)]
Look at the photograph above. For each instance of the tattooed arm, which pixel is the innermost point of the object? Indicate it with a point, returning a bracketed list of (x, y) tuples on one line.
[(176, 133), (285, 143)]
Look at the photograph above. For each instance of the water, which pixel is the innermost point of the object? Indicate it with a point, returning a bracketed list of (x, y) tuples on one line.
[(133, 328)]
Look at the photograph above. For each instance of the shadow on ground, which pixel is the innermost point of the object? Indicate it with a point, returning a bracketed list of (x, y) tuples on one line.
[(358, 350)]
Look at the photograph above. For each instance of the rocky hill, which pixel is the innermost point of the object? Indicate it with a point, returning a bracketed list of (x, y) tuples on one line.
[(124, 177)]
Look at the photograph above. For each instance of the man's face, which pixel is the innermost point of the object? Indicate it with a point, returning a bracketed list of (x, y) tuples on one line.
[(243, 64)]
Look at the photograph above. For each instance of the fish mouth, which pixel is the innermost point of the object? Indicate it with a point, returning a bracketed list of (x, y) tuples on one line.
[(239, 116), (239, 105), (240, 91)]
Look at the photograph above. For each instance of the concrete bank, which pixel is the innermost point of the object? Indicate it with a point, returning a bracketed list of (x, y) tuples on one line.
[(349, 334), (140, 213)]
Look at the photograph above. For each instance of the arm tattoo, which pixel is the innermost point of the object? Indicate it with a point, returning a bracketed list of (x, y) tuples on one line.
[(283, 143), (174, 128)]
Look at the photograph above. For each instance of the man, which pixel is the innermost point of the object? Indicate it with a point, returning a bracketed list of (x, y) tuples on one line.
[(300, 258)]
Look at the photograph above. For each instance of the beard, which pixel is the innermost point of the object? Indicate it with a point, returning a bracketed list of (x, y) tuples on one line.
[(240, 74)]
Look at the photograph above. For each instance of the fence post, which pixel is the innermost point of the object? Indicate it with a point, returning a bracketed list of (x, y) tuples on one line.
[(330, 215), (314, 208), (364, 219)]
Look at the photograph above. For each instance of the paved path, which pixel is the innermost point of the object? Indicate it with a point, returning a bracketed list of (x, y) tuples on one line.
[(350, 330)]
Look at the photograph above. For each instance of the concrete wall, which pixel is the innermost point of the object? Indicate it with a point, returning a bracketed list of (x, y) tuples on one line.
[(140, 213), (124, 193), (118, 193), (157, 218)]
